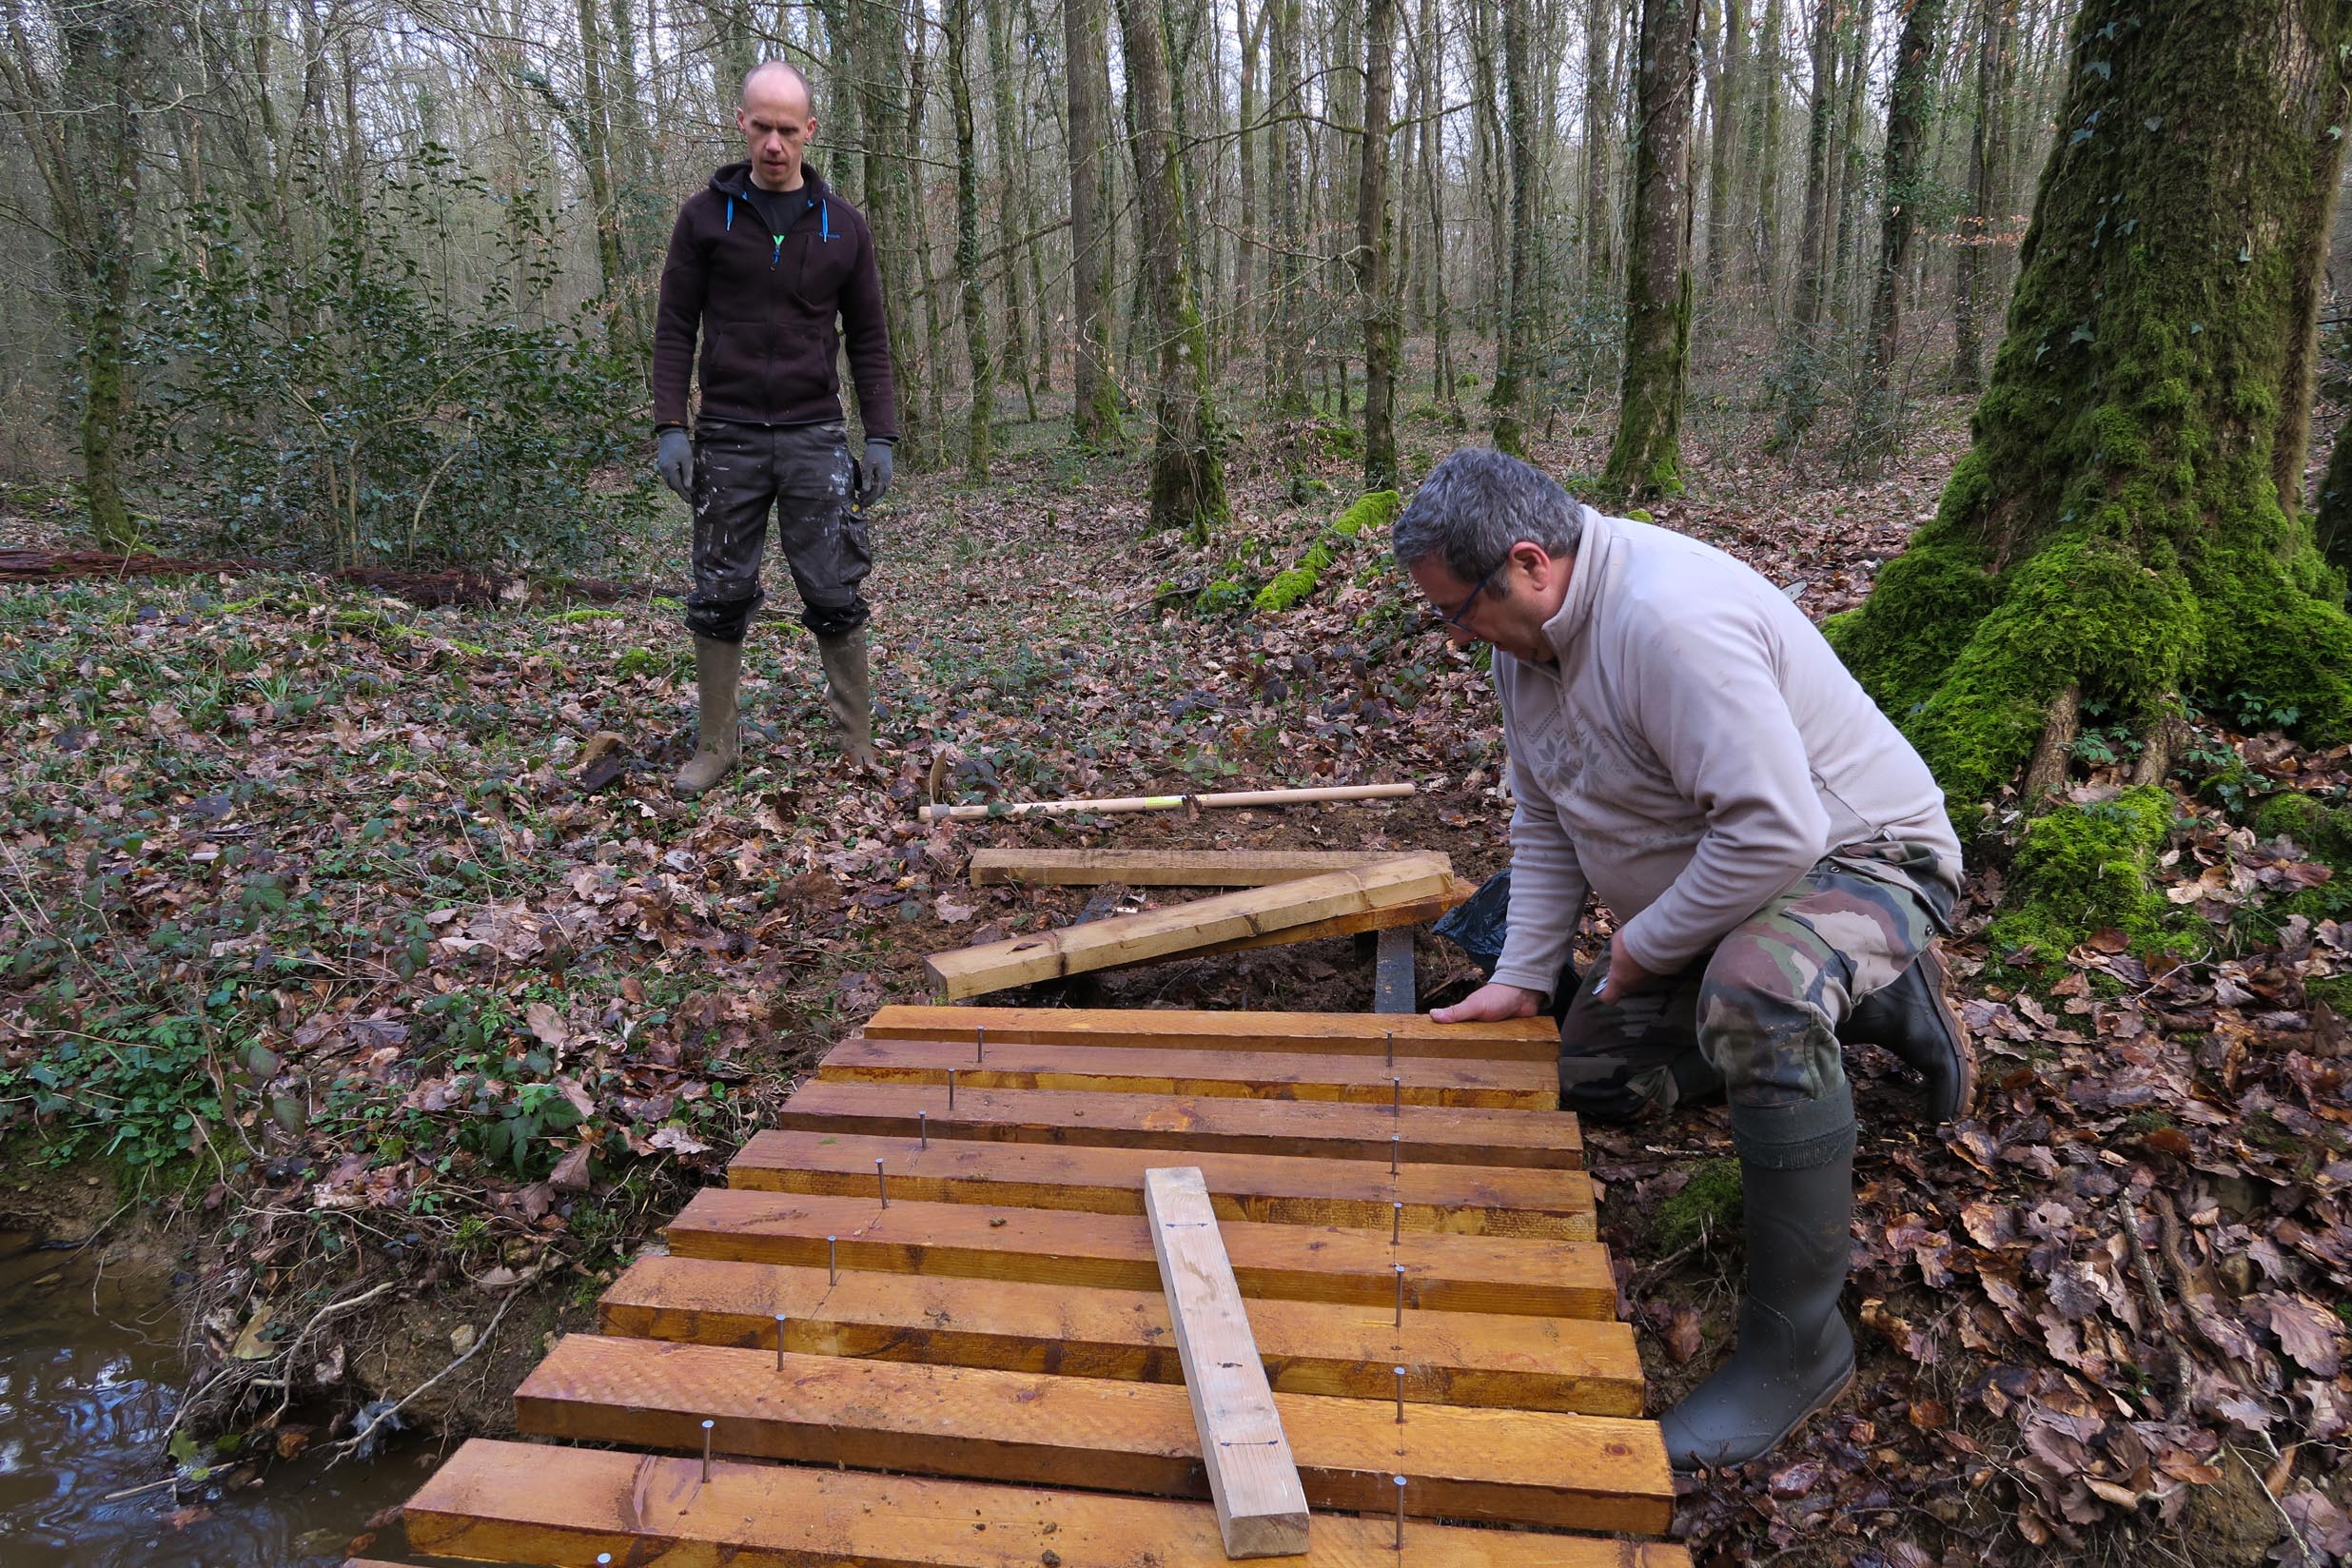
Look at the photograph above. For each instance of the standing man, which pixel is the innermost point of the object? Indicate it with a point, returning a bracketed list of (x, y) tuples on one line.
[(1685, 744), (761, 263)]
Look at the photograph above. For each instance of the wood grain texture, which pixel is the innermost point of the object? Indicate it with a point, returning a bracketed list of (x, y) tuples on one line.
[(1306, 1347), (526, 1503), (1252, 1479), (1468, 1199), (1504, 1275), (1162, 868), (1241, 1075), (1509, 1466), (1385, 917), (1182, 927), (1536, 1140), (1340, 1033)]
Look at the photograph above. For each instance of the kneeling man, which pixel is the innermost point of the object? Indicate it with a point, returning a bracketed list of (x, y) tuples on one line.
[(1685, 744)]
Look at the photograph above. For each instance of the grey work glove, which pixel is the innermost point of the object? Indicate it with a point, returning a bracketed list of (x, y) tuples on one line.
[(877, 473), (673, 460)]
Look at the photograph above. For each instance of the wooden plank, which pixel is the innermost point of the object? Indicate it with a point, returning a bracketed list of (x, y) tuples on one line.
[(1509, 1276), (1250, 1075), (1307, 1347), (1392, 973), (527, 1502), (1252, 1479), (1281, 1189), (1185, 928), (1419, 912), (1337, 1034), (1535, 1140), (1162, 868), (1506, 1466)]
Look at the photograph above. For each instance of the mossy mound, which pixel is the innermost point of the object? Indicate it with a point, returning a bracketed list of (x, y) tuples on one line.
[(2325, 832), (1290, 586), (1708, 1206), (2089, 868)]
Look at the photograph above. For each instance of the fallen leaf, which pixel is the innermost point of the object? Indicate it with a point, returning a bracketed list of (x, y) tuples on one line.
[(571, 1172)]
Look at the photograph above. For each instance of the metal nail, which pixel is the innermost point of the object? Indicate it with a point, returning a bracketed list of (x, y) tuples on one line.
[(1396, 1096), (1401, 1294), (879, 1186), (833, 1273), (1399, 1372), (708, 1426), (604, 1559), (1392, 1050), (922, 1127), (1399, 1482), (950, 1092), (979, 1045), (1396, 1151), (779, 1342), (1396, 1224)]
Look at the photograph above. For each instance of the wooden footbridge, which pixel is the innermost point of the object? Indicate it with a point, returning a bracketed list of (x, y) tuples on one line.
[(924, 1325)]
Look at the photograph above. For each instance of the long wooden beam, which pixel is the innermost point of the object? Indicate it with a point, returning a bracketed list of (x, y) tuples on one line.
[(1471, 1200), (1162, 868), (1339, 1033), (1369, 1079), (527, 1502), (1509, 1276), (1535, 1140), (1182, 927), (1306, 1347), (1237, 1431), (1511, 1467)]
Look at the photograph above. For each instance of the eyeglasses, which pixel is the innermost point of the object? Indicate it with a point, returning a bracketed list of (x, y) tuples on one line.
[(1454, 619)]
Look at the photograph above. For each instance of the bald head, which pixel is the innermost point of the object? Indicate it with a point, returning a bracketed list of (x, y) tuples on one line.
[(772, 77), (777, 117)]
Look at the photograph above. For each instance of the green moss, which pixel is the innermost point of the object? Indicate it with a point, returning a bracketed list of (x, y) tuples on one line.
[(2085, 868), (1289, 587), (574, 618), (1376, 510), (2325, 832), (2334, 989), (640, 662), (1708, 1206)]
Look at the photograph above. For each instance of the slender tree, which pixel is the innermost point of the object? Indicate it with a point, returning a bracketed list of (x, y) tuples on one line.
[(1374, 242), (1094, 417), (1763, 158), (1013, 203), (2116, 533), (1187, 471), (1906, 126), (1995, 23), (1508, 397), (1645, 459), (1288, 357), (1723, 115), (955, 24)]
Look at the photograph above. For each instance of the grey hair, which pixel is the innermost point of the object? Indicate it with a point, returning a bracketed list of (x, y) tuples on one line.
[(1476, 503), (808, 88)]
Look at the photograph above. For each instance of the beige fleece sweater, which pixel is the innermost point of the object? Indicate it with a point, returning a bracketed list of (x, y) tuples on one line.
[(1695, 749)]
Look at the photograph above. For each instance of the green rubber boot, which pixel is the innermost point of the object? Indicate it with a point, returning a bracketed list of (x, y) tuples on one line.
[(849, 693), (718, 668)]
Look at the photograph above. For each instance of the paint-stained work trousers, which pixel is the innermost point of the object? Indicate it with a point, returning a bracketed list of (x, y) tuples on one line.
[(804, 472)]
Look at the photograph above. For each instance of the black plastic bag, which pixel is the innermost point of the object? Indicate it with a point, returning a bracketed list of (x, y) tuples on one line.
[(1478, 925)]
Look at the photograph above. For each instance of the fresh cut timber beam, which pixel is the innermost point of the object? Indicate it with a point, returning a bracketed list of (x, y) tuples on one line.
[(1186, 927), (1470, 1200), (1512, 1276), (526, 1503), (1370, 1079), (1337, 1034), (1162, 868), (1112, 804), (1252, 1479), (1537, 1140), (1307, 1347), (1504, 1467), (1421, 911)]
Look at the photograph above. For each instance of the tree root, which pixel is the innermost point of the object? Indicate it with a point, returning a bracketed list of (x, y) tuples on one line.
[(2046, 774)]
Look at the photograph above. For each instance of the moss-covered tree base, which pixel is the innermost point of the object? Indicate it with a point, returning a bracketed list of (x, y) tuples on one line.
[(2085, 870)]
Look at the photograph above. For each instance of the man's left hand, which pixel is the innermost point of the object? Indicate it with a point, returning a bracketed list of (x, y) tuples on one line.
[(1624, 977), (877, 473)]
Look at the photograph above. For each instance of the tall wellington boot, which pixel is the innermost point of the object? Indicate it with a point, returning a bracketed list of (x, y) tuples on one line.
[(849, 693), (1796, 1354), (1915, 1019), (718, 668)]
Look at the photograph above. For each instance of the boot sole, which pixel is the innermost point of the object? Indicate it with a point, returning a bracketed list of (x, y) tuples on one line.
[(1964, 1043), (1837, 1392)]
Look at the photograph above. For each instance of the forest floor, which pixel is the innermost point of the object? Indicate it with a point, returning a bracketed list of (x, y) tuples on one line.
[(335, 937)]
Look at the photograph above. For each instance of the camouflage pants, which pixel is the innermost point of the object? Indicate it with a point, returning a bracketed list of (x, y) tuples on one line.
[(1755, 1018)]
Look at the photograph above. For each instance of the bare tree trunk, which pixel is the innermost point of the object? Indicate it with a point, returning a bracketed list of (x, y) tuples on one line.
[(1645, 459), (1764, 160), (1188, 473), (1012, 203), (1599, 25), (1509, 397), (1283, 100), (1722, 223), (1429, 66), (934, 318), (1373, 243), (955, 24), (1906, 124), (879, 50), (1853, 167), (1250, 138), (1094, 414), (1994, 20)]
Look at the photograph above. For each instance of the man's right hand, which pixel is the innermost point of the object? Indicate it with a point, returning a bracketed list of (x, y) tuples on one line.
[(1489, 1004), (673, 460)]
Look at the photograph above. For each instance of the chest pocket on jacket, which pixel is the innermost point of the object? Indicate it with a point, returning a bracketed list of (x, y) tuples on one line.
[(824, 267)]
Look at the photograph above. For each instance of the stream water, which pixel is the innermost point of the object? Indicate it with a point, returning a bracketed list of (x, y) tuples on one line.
[(88, 1368)]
